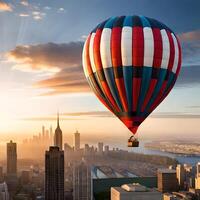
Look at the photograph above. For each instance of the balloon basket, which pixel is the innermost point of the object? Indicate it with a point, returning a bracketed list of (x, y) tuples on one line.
[(133, 142)]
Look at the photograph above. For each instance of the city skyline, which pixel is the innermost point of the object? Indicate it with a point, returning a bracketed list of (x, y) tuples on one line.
[(51, 76)]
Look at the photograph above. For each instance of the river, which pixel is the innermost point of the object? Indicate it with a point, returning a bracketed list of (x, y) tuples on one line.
[(181, 158)]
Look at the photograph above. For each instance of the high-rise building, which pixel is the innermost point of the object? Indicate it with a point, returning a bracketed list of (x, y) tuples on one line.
[(11, 158), (181, 175), (100, 147), (197, 179), (58, 135), (25, 177), (43, 132), (51, 135), (167, 180), (4, 195), (82, 182), (54, 174), (134, 191), (68, 153), (1, 174), (106, 149), (77, 140)]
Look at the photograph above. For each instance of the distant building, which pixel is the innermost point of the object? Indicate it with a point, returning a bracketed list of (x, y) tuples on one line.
[(1, 174), (51, 135), (106, 149), (4, 195), (82, 182), (54, 174), (43, 132), (167, 180), (181, 175), (134, 191), (11, 158), (25, 177), (58, 135), (77, 141), (100, 147), (68, 153)]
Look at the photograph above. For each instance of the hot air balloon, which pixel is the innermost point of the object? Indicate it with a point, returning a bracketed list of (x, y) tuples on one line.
[(131, 64)]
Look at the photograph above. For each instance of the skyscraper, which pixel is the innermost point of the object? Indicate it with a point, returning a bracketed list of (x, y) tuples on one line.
[(181, 175), (51, 135), (4, 195), (77, 140), (1, 174), (58, 135), (54, 174), (167, 181), (82, 182), (43, 132), (100, 147), (197, 178), (11, 158)]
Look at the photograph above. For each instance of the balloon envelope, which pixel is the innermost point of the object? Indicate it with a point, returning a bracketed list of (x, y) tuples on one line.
[(131, 64)]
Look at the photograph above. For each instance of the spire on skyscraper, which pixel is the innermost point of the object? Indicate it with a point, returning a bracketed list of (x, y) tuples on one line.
[(58, 134), (58, 125)]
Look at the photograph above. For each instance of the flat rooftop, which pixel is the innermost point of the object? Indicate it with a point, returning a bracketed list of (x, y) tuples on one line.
[(167, 171)]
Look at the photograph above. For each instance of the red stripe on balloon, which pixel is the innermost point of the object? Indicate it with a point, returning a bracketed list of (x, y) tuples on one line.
[(116, 46), (117, 62), (172, 51), (138, 46), (92, 78), (179, 58), (87, 56), (136, 92), (152, 86), (158, 47), (98, 65), (160, 94)]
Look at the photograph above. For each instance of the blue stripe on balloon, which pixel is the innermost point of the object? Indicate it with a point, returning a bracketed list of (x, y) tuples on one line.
[(109, 23), (146, 78), (158, 86), (109, 75), (128, 21), (145, 22), (170, 81), (128, 82)]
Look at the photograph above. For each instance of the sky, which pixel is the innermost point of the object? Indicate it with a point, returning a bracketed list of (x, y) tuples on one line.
[(41, 69)]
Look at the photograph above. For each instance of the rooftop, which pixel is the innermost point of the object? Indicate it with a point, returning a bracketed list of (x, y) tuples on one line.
[(168, 171)]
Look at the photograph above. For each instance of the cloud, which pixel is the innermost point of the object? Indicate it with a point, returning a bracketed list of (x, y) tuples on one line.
[(63, 60), (5, 7), (189, 76), (61, 10), (191, 52), (24, 15), (24, 3), (47, 8), (38, 15), (50, 57), (190, 47), (90, 113), (69, 80), (103, 114), (190, 36)]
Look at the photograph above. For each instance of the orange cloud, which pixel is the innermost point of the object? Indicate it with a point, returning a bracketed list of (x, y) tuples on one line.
[(5, 7), (64, 60), (190, 36), (45, 57)]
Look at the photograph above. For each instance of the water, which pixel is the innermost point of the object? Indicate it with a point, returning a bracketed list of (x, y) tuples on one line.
[(181, 158)]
